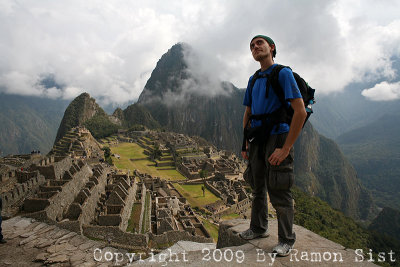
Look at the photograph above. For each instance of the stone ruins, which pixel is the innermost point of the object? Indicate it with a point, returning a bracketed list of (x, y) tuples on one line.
[(73, 188)]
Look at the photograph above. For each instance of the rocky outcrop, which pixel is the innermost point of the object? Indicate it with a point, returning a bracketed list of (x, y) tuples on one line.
[(309, 249)]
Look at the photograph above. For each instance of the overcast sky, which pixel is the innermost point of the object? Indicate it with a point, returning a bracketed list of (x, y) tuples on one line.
[(109, 48)]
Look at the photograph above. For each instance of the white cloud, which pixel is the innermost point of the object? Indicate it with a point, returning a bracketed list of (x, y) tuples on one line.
[(383, 91), (109, 49)]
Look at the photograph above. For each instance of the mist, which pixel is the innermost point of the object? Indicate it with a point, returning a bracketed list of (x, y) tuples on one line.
[(109, 49)]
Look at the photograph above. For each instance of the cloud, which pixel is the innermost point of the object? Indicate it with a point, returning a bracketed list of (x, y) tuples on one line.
[(383, 91), (109, 49)]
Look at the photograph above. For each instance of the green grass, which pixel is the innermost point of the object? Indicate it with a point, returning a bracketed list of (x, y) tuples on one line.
[(133, 223), (129, 151), (212, 229), (145, 220), (194, 194), (230, 216)]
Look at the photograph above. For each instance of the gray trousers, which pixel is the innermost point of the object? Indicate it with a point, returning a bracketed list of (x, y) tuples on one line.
[(277, 180)]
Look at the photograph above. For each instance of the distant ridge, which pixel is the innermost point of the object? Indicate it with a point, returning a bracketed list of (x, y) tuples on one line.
[(374, 150), (28, 123)]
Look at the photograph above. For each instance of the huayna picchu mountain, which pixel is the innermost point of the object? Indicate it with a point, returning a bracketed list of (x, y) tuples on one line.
[(84, 111)]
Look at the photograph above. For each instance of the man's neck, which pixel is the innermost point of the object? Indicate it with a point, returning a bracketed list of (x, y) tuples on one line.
[(266, 63)]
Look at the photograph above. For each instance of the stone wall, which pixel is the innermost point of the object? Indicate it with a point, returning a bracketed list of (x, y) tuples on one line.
[(7, 175), (58, 203), (22, 190), (142, 201), (123, 195), (23, 176), (130, 199), (89, 207), (55, 168), (214, 190), (175, 236), (116, 235), (83, 209)]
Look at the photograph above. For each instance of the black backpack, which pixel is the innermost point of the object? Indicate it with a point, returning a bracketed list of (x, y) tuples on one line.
[(283, 114), (273, 81)]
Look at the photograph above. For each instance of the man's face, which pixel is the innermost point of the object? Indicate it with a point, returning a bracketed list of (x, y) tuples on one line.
[(260, 49)]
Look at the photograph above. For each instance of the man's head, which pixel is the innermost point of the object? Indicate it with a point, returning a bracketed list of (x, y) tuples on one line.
[(260, 40)]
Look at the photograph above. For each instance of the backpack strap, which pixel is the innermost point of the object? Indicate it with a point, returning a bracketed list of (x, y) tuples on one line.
[(276, 86), (256, 75), (272, 81)]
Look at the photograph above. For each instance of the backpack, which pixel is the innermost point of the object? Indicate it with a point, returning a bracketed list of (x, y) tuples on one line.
[(284, 114), (306, 91)]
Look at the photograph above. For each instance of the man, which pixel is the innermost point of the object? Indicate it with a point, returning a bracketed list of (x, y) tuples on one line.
[(272, 167), (2, 241)]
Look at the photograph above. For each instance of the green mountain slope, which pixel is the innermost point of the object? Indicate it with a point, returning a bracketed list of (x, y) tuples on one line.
[(317, 216), (136, 114), (387, 223), (28, 123), (322, 170), (374, 150)]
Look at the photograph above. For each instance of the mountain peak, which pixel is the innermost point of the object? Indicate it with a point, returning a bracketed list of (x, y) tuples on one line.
[(167, 75), (80, 110)]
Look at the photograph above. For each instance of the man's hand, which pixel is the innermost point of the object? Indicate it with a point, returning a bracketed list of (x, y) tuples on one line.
[(279, 155), (244, 155), (296, 125)]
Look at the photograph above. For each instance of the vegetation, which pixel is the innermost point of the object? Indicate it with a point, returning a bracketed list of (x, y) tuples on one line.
[(317, 216), (156, 153), (145, 220), (140, 161), (107, 155), (212, 229), (374, 151), (230, 216), (136, 127), (28, 123), (387, 223), (100, 126), (138, 115), (203, 174), (133, 223)]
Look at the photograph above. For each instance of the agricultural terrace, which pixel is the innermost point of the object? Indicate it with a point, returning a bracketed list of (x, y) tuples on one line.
[(132, 157), (212, 229), (194, 194)]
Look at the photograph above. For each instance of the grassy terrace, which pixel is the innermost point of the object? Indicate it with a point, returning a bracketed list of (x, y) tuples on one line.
[(230, 216), (212, 229), (129, 151), (194, 194), (145, 220), (133, 223)]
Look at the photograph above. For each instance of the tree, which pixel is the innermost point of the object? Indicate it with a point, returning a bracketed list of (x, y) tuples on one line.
[(203, 174), (107, 155), (156, 153)]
